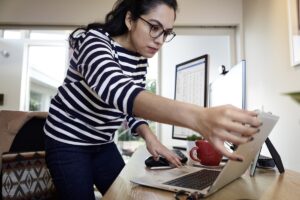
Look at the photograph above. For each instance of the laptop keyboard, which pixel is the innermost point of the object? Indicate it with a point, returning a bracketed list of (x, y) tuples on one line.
[(197, 180)]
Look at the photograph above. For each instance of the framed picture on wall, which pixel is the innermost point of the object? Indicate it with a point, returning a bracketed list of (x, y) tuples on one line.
[(191, 86), (294, 31)]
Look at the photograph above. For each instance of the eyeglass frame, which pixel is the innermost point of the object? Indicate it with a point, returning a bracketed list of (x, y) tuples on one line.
[(164, 31)]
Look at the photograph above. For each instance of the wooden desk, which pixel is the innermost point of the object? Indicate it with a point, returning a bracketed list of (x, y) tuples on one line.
[(267, 184)]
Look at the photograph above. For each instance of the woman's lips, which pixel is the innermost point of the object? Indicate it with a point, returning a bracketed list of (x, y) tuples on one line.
[(152, 50)]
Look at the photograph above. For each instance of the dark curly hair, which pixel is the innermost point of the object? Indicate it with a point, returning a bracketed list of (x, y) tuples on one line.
[(115, 20)]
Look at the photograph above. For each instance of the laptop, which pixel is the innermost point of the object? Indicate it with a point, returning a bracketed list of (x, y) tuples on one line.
[(206, 181)]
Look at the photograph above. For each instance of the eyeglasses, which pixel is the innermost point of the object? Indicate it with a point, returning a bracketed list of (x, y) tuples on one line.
[(156, 30)]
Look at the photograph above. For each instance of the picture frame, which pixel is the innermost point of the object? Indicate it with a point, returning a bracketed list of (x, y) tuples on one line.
[(191, 86), (294, 31)]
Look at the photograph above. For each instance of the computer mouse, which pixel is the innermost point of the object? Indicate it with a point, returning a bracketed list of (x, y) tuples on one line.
[(161, 162)]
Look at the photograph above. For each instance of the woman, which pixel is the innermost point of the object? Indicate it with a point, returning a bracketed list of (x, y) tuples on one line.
[(105, 85)]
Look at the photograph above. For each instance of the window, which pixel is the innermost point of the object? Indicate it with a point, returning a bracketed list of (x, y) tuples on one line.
[(49, 35), (35, 101), (47, 63), (12, 34), (47, 52), (41, 60)]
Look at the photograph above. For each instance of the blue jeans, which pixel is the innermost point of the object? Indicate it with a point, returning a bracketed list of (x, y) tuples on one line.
[(75, 169)]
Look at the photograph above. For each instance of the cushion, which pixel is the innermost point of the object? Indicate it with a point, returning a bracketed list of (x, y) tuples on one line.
[(26, 176)]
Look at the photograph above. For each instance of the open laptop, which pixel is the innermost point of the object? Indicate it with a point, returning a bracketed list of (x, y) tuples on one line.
[(208, 180)]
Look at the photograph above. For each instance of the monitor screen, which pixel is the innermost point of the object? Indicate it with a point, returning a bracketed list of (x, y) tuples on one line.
[(230, 88), (191, 86)]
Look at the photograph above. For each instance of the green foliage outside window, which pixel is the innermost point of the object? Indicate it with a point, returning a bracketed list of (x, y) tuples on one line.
[(35, 101)]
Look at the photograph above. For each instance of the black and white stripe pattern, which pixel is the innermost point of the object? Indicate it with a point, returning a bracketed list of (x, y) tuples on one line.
[(98, 92)]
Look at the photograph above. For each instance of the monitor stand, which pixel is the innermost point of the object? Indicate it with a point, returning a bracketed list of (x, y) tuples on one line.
[(275, 156)]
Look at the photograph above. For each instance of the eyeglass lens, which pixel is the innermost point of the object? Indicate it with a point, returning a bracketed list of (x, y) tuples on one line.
[(156, 31)]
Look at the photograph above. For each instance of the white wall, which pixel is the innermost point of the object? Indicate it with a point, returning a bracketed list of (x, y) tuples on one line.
[(53, 12), (200, 13), (80, 12), (181, 49), (270, 74)]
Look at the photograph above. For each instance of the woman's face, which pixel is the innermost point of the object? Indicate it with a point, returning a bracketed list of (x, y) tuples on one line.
[(139, 31)]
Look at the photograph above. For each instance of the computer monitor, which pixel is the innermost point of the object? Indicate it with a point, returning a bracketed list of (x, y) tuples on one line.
[(191, 86), (230, 87)]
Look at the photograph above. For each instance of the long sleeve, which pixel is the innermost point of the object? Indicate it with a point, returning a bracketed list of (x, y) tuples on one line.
[(98, 92), (133, 123), (104, 75)]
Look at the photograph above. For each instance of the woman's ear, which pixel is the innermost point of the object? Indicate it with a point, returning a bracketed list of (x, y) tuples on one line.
[(128, 20)]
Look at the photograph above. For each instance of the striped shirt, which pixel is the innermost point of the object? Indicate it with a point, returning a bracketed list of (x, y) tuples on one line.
[(98, 92)]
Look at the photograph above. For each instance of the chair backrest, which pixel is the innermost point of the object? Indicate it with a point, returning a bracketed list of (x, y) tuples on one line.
[(24, 173), (24, 129), (30, 137)]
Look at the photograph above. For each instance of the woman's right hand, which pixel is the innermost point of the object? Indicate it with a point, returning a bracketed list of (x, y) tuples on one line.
[(226, 123), (216, 124)]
